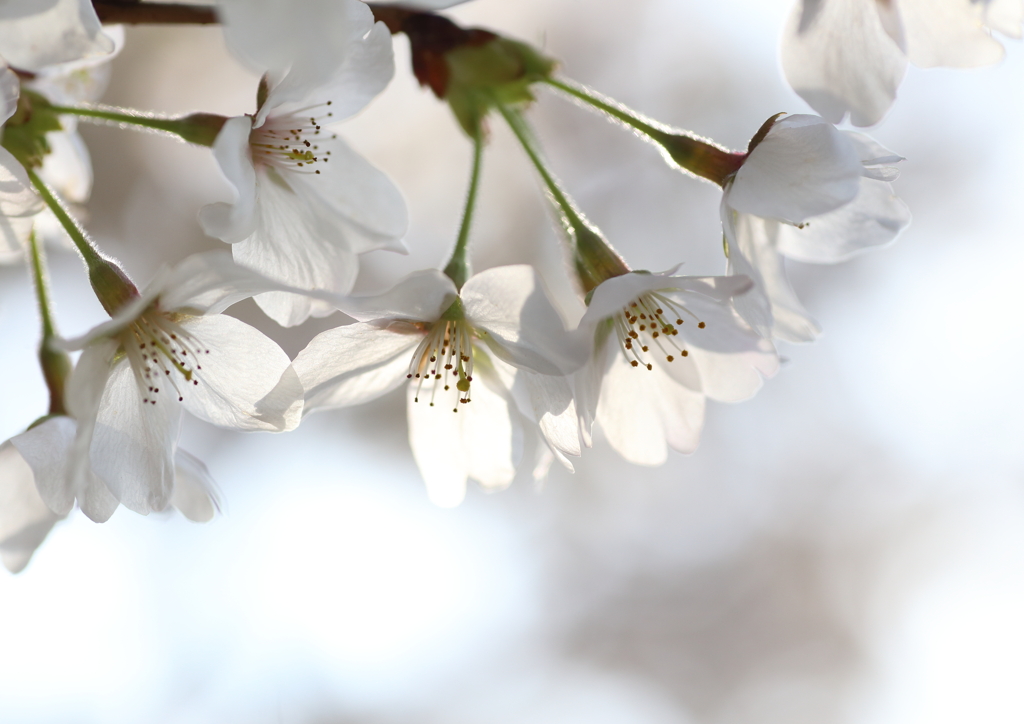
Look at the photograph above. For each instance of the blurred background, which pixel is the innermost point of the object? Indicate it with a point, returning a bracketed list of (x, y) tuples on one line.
[(847, 547)]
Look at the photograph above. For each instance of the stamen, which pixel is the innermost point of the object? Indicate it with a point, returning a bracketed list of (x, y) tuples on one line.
[(655, 328)]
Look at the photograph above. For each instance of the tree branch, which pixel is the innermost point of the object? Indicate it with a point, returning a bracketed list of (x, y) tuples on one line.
[(136, 13)]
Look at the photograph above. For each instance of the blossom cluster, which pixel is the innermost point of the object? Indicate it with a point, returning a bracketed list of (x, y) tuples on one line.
[(487, 360)]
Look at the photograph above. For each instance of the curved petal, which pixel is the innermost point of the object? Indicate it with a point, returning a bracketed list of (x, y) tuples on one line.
[(294, 244), (548, 401), (804, 167), (362, 66), (1005, 16), (244, 380), (642, 412), (841, 58), (421, 296), (522, 326), (54, 32), (17, 197), (83, 394), (423, 4), (10, 90), (873, 219), (948, 33), (68, 168), (25, 520), (209, 283), (236, 221), (349, 192), (587, 381), (195, 492), (133, 442), (480, 441), (354, 364), (772, 307)]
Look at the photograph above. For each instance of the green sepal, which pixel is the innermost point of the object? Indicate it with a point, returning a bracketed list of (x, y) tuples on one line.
[(498, 71), (24, 134)]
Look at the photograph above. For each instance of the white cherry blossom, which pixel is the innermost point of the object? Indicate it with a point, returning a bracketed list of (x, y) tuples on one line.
[(812, 193), (19, 203), (661, 345), (35, 34), (306, 204), (474, 361), (169, 349), (37, 489), (849, 56)]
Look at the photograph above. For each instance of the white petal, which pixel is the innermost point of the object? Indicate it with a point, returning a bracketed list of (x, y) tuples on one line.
[(435, 436), (39, 34), (209, 283), (840, 57), (1005, 16), (802, 168), (245, 380), (772, 302), (587, 381), (949, 33), (522, 326), (17, 197), (236, 221), (642, 412), (195, 492), (553, 409), (361, 66), (351, 193), (82, 396), (10, 90), (67, 168), (354, 364), (480, 441), (46, 449), (421, 296), (134, 441), (873, 219), (295, 244), (25, 520)]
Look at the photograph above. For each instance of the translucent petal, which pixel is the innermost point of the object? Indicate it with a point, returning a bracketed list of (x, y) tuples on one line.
[(421, 296), (949, 33), (25, 520), (133, 443), (36, 35), (844, 56), (804, 167), (243, 379), (235, 221), (195, 492), (522, 326), (354, 364), (17, 197)]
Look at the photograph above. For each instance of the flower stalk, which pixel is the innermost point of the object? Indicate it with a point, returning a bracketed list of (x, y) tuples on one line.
[(55, 363), (458, 268), (109, 281), (699, 156), (593, 256), (198, 128)]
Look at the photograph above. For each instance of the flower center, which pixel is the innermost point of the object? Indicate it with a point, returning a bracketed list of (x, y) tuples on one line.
[(289, 142), (444, 358), (651, 320), (163, 356)]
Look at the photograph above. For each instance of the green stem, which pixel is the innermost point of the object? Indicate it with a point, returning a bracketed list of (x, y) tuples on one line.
[(198, 128), (56, 364), (595, 259), (699, 156), (458, 268), (111, 284)]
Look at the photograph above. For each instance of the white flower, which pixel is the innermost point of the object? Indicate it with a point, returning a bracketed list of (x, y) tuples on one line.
[(307, 205), (474, 362), (37, 489), (663, 343), (812, 193), (849, 56), (35, 34), (168, 349)]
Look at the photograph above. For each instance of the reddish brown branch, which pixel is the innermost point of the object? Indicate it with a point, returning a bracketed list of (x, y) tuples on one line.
[(136, 13)]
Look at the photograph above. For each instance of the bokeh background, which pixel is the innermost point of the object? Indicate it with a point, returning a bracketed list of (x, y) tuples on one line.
[(847, 547)]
